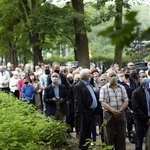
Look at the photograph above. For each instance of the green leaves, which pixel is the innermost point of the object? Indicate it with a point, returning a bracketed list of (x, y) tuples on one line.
[(22, 127), (125, 35)]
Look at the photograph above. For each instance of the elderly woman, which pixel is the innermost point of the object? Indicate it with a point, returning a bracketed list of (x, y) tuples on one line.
[(13, 84)]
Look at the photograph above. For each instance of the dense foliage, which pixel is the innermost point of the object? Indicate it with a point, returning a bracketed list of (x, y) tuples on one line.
[(22, 127), (38, 30)]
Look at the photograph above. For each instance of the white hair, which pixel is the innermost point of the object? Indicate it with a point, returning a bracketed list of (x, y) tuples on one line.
[(69, 75), (84, 72), (15, 72)]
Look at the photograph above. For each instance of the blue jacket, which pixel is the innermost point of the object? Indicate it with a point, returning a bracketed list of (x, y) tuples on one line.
[(28, 91)]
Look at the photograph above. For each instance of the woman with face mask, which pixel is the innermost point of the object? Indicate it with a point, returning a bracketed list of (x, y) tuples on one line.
[(28, 92), (37, 88)]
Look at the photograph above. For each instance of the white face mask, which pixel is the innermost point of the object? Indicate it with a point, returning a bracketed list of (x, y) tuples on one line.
[(148, 67), (54, 80), (15, 76), (32, 77)]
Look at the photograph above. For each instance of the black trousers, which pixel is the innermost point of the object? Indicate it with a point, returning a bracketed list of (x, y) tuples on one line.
[(86, 122)]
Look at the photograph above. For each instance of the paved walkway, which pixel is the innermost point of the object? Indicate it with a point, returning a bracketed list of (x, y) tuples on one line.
[(129, 146)]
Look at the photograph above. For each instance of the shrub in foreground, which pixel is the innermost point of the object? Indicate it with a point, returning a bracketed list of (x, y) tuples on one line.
[(23, 127)]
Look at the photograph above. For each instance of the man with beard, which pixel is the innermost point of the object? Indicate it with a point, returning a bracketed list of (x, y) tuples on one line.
[(114, 100), (43, 81)]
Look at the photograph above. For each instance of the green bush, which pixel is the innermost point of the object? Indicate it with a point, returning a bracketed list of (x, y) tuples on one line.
[(23, 127)]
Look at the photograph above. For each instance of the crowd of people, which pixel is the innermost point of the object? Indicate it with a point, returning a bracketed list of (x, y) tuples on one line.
[(85, 98)]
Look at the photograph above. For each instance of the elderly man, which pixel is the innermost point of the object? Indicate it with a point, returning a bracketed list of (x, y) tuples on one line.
[(85, 106), (55, 97), (141, 109), (114, 100)]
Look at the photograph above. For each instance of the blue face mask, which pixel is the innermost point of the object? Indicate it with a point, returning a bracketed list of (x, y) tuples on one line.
[(144, 82)]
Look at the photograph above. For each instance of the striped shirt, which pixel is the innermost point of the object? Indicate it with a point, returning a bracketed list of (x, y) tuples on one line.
[(114, 97)]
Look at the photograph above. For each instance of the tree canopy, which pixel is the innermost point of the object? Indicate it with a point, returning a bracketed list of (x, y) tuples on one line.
[(30, 29)]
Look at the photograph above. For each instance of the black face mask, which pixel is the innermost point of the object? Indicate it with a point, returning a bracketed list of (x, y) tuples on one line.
[(47, 71), (71, 81), (26, 82), (127, 75), (57, 71), (134, 75)]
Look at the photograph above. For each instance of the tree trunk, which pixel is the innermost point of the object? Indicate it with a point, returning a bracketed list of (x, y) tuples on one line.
[(37, 52), (118, 25), (81, 40), (33, 37), (12, 57)]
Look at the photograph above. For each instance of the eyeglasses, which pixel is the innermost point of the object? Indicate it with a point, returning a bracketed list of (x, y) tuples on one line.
[(113, 75), (47, 67)]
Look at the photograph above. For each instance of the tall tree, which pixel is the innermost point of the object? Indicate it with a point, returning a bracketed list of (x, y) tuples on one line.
[(27, 9), (118, 26), (81, 40)]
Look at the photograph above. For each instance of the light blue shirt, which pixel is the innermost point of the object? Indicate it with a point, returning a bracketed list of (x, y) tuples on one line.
[(94, 103), (148, 100), (56, 91), (43, 79)]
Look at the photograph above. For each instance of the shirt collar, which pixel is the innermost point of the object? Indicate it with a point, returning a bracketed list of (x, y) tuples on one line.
[(110, 85), (86, 83), (54, 85)]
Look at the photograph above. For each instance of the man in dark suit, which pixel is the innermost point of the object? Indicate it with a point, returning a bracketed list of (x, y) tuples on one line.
[(56, 97), (141, 109), (85, 106)]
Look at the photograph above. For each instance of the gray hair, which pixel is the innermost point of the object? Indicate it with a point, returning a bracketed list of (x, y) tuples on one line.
[(84, 72), (55, 63)]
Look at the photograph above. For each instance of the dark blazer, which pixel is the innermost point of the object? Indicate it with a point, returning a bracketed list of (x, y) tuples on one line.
[(50, 105), (82, 98), (129, 89), (140, 104)]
